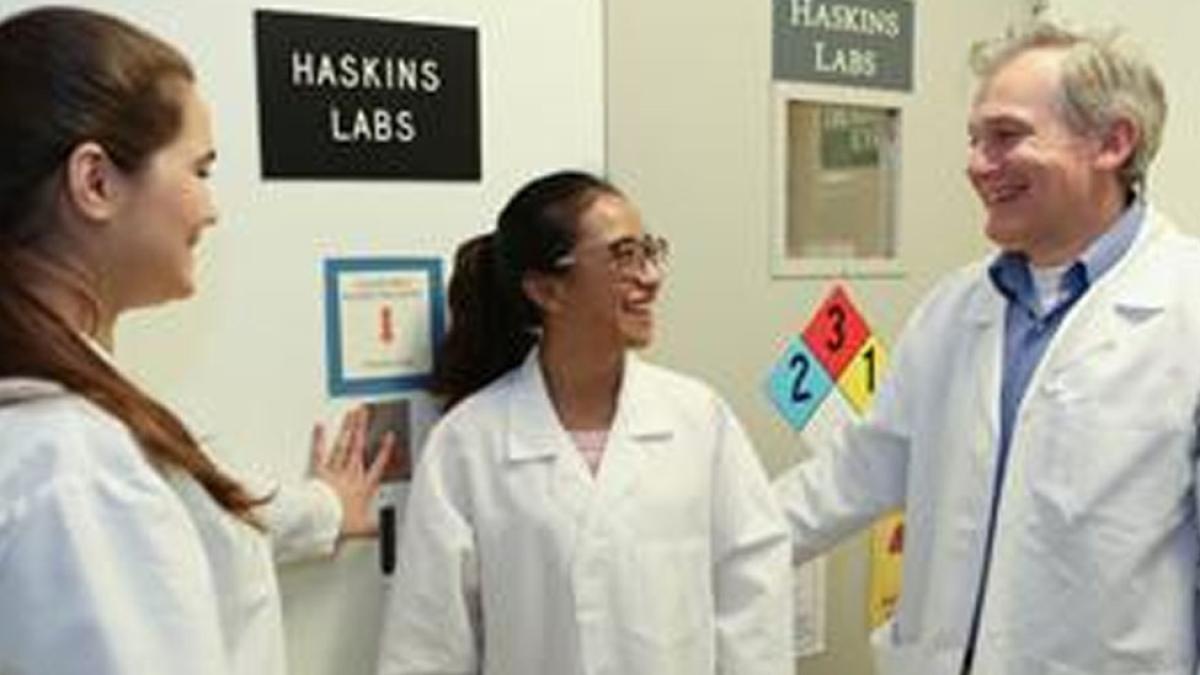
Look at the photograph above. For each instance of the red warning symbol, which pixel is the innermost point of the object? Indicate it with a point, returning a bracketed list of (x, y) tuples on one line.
[(386, 334), (836, 332)]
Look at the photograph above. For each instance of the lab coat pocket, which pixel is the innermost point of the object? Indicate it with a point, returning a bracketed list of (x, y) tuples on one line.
[(668, 593), (1130, 477)]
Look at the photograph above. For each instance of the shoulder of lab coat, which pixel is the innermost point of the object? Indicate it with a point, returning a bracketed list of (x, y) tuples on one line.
[(844, 488), (1172, 251), (101, 570)]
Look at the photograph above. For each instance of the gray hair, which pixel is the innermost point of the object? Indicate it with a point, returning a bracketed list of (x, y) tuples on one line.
[(1103, 79)]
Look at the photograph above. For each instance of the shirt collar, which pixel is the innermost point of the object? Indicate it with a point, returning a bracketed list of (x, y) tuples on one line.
[(1010, 274), (1107, 249), (534, 429)]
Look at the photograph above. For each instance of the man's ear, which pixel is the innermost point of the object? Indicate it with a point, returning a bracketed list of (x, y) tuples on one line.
[(544, 290), (93, 183), (1117, 144)]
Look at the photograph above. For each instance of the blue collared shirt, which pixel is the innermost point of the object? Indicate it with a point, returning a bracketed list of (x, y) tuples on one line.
[(1028, 330)]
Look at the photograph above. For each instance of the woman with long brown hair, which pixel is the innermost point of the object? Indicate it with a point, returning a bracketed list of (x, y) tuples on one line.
[(124, 548)]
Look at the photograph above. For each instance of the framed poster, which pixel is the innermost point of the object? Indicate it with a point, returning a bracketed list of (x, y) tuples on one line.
[(384, 319)]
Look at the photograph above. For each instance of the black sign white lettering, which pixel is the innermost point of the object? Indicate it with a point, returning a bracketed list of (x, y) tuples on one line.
[(355, 98)]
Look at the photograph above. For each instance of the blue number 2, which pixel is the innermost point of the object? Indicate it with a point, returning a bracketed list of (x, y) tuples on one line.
[(799, 395)]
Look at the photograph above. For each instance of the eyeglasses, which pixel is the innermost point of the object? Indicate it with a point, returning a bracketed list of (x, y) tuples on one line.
[(628, 256)]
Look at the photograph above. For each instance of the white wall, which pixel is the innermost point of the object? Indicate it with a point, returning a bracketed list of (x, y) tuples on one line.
[(1162, 29), (690, 139), (244, 361)]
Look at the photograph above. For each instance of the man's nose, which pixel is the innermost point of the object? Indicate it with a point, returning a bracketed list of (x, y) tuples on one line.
[(979, 161)]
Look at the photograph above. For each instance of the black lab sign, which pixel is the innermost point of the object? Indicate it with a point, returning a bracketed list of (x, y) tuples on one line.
[(345, 98)]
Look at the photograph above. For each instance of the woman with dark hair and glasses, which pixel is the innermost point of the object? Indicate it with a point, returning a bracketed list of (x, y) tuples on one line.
[(124, 548), (578, 510)]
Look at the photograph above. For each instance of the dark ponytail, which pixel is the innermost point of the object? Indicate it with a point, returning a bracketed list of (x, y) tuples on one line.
[(487, 336), (493, 325)]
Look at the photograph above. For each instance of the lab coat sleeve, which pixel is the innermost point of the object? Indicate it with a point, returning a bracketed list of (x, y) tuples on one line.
[(752, 558), (105, 575), (432, 624), (303, 520), (864, 475)]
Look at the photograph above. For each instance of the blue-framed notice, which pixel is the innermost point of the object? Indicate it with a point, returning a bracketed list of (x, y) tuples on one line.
[(384, 318)]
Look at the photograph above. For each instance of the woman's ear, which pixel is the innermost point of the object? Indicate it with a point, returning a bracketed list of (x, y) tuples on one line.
[(93, 183), (543, 290)]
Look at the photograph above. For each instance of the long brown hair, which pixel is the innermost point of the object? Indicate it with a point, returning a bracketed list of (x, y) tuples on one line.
[(68, 76)]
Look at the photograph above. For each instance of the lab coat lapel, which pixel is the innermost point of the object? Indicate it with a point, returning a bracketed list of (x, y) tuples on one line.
[(985, 316), (535, 434), (637, 427), (1128, 296), (534, 431)]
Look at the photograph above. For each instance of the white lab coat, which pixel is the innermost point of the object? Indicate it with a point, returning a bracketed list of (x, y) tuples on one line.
[(1095, 556), (515, 560), (110, 566)]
